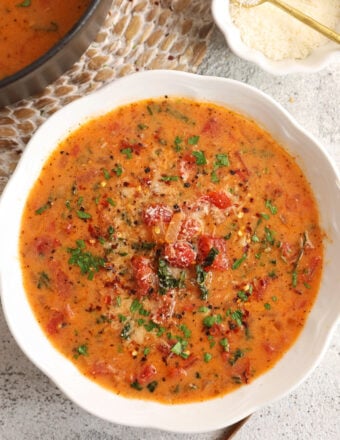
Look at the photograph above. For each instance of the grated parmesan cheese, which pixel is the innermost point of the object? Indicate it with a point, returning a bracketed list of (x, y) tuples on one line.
[(280, 36)]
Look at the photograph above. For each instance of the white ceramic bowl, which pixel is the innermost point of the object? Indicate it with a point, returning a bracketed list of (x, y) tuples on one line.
[(317, 60), (219, 412)]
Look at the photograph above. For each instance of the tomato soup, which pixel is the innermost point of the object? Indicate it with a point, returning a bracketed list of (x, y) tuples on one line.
[(171, 250), (29, 28)]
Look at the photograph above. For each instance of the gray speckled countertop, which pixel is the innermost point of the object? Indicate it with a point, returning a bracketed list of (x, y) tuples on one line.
[(32, 408)]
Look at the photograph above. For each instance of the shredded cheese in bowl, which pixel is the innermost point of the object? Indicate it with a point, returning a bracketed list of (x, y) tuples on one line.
[(280, 36)]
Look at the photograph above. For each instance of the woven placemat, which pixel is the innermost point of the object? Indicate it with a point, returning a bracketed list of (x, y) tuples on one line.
[(137, 35)]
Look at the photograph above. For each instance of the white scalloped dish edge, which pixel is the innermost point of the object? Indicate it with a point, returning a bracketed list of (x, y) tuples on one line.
[(299, 360)]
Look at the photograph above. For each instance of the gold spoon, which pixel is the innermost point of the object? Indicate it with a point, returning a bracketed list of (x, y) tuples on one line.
[(309, 21)]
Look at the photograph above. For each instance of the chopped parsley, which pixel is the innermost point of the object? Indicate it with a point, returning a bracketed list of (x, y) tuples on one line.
[(152, 386), (241, 294), (186, 331), (269, 235), (118, 170), (179, 349), (200, 157), (136, 385), (207, 357), (169, 178), (106, 173), (24, 4), (178, 144), (214, 177), (127, 152), (83, 215), (43, 280), (136, 306), (178, 115), (225, 344), (236, 316), (222, 160), (44, 207), (204, 309), (82, 350), (211, 257), (87, 262), (238, 354), (143, 246), (210, 320), (193, 140), (237, 263), (201, 276), (166, 280), (126, 331), (271, 207), (294, 278)]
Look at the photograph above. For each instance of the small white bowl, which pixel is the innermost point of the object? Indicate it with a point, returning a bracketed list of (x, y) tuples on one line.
[(317, 60), (213, 414)]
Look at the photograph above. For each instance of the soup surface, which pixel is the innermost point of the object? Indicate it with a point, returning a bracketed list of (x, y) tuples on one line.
[(171, 250), (29, 28)]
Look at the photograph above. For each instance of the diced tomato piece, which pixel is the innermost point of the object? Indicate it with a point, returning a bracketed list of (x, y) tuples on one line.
[(217, 330), (189, 307), (219, 199), (286, 250), (309, 273), (45, 244), (145, 181), (108, 300), (187, 166), (62, 283), (101, 368), (205, 244), (176, 372), (225, 355), (180, 254), (75, 150), (69, 311), (241, 369), (55, 323), (268, 347), (164, 348), (293, 202), (244, 172), (166, 308), (211, 127), (94, 231), (69, 228), (86, 176), (259, 287), (134, 146), (190, 228), (289, 252), (154, 214), (146, 374), (143, 274), (190, 361)]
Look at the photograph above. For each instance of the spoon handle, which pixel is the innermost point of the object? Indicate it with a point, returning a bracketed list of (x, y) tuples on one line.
[(309, 21)]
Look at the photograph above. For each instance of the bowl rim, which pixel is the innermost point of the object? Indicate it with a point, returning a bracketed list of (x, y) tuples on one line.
[(221, 16), (188, 418)]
